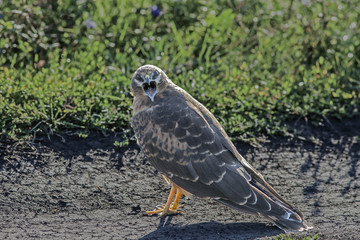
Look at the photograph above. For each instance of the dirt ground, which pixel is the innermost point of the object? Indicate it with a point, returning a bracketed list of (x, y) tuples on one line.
[(70, 188)]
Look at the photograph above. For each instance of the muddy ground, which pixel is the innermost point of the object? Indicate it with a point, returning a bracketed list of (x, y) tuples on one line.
[(70, 188)]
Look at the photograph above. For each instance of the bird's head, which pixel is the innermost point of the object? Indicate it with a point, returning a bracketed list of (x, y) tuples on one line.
[(148, 80)]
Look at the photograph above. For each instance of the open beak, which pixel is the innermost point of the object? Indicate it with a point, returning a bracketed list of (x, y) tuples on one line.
[(149, 88)]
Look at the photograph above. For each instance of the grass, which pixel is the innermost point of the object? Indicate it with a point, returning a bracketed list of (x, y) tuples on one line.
[(293, 237), (66, 65)]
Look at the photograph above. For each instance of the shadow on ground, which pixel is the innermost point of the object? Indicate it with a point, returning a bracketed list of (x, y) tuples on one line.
[(212, 231)]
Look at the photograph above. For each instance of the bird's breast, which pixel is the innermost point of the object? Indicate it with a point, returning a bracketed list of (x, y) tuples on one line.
[(141, 123)]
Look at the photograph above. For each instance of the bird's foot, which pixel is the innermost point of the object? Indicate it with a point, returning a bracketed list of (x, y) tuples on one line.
[(161, 211)]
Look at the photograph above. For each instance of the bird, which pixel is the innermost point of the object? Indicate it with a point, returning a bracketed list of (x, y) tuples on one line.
[(190, 149)]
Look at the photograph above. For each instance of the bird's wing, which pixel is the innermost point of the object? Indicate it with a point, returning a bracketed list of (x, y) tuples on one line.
[(257, 180)]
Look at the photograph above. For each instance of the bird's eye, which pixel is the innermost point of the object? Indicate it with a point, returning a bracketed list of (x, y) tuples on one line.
[(156, 73), (138, 77)]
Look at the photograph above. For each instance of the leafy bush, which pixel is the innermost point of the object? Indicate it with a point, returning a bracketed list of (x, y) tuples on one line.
[(66, 65)]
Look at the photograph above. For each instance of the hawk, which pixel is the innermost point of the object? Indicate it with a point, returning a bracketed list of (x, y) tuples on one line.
[(190, 149)]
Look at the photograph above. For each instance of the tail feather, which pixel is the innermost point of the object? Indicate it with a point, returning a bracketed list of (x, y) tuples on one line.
[(288, 224), (283, 217)]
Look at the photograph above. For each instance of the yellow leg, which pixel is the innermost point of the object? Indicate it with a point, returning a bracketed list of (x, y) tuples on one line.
[(177, 199), (168, 209)]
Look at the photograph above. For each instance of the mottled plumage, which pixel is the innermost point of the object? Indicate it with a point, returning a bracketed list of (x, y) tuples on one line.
[(188, 146)]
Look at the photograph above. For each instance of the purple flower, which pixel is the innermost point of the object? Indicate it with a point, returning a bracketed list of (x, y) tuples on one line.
[(90, 23), (155, 11)]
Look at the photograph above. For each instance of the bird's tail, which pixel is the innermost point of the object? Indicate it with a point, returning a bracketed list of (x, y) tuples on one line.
[(289, 220)]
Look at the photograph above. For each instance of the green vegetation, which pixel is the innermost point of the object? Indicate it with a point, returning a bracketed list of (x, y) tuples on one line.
[(292, 237), (66, 65)]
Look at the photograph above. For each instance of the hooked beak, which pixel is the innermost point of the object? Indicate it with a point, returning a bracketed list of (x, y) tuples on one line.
[(149, 88), (147, 79)]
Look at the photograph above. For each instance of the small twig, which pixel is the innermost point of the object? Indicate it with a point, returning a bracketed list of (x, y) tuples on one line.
[(331, 125)]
